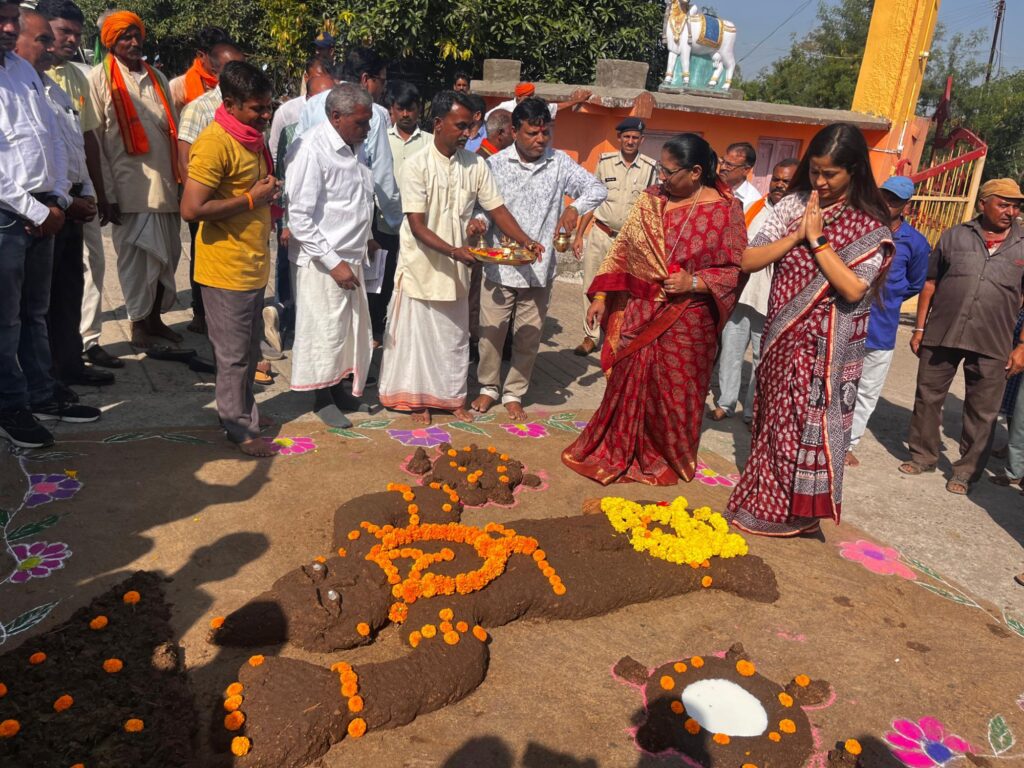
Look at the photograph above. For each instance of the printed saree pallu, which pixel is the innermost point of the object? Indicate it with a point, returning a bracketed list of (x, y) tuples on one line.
[(659, 351)]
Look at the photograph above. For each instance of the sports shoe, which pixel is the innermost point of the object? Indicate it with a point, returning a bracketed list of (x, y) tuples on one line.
[(22, 429), (69, 412), (272, 327)]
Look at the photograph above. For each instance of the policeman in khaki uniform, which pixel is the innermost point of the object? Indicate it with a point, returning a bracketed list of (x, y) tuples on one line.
[(626, 173)]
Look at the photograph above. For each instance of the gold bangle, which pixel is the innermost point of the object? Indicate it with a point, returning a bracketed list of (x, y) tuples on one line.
[(252, 203), (600, 296)]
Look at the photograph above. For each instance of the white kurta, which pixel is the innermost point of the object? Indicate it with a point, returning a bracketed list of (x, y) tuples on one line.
[(330, 209)]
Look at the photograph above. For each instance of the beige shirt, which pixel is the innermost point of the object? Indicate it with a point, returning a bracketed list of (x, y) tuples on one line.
[(624, 183), (75, 83), (137, 183), (446, 190)]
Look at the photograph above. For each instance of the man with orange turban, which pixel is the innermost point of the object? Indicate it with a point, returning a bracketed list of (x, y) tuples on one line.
[(526, 90), (202, 76), (138, 134)]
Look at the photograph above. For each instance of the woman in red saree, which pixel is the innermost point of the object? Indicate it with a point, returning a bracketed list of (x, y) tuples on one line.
[(829, 246), (664, 291)]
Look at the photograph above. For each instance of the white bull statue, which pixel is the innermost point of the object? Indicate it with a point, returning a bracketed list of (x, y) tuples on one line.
[(689, 32)]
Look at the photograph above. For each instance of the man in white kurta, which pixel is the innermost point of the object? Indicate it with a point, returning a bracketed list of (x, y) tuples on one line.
[(426, 344), (330, 210)]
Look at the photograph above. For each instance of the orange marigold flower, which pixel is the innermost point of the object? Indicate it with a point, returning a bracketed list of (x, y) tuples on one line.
[(131, 597), (349, 677), (255, 661), (720, 738), (428, 631), (852, 746), (667, 682), (679, 667), (787, 726), (37, 658), (353, 535), (706, 582), (78, 765), (705, 564), (234, 720), (692, 726), (502, 469), (677, 707), (538, 555), (463, 469), (357, 727), (134, 725), (319, 559), (503, 479), (696, 662), (62, 703), (453, 464), (774, 736), (453, 497), (452, 452), (355, 703), (745, 668), (414, 638), (480, 633), (99, 622), (341, 667), (504, 457), (413, 509), (445, 627), (446, 507), (232, 703), (342, 552), (3, 690), (446, 614), (363, 628), (491, 449), (408, 496), (749, 765), (216, 622), (240, 746), (462, 627), (785, 699), (802, 680), (558, 589), (451, 637), (398, 613), (233, 690), (9, 728), (113, 666)]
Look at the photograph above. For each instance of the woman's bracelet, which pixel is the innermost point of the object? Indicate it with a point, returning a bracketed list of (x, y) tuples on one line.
[(252, 203), (818, 249), (919, 330), (600, 296)]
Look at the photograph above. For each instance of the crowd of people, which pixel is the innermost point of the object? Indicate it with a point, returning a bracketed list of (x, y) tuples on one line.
[(373, 220)]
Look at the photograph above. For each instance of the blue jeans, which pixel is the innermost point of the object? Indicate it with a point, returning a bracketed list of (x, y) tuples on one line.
[(26, 263), (1015, 452)]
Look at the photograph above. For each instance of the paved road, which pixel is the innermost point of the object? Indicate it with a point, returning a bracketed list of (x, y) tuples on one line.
[(976, 540)]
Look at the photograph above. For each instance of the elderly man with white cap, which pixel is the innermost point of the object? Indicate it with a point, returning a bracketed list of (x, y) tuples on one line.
[(903, 281), (966, 315)]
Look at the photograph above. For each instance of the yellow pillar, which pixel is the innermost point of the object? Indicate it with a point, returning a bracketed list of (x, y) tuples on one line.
[(894, 59)]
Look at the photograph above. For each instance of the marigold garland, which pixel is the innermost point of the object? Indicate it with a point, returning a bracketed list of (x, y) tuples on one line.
[(62, 703), (99, 622), (240, 746), (133, 725), (37, 658), (131, 597), (9, 728), (113, 666), (690, 539)]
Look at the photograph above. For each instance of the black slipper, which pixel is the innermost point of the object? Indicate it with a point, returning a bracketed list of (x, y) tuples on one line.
[(201, 365), (173, 354)]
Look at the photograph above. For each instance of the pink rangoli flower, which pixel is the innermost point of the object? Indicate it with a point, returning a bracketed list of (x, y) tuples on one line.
[(424, 437), (38, 559), (291, 446), (526, 430), (884, 561), (706, 475), (46, 488), (924, 744)]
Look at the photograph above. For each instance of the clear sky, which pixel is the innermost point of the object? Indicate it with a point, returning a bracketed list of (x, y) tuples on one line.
[(755, 19)]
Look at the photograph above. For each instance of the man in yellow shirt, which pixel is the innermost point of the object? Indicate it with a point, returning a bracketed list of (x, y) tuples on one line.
[(229, 190)]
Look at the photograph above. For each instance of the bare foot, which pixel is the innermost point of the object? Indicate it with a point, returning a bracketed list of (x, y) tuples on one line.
[(718, 414), (140, 338), (421, 417), (462, 414), (157, 328), (482, 404), (851, 460), (515, 411), (257, 447)]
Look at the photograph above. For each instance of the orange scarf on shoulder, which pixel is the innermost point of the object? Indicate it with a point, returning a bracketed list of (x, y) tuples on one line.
[(133, 133), (198, 81)]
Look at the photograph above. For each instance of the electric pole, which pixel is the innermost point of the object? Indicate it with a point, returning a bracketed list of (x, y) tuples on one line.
[(1000, 10)]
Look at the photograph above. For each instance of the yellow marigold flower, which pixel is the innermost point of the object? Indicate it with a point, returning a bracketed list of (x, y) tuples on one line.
[(357, 727), (408, 496), (787, 726), (62, 703), (99, 622), (240, 746), (342, 552), (414, 638), (131, 597), (113, 666), (234, 720), (134, 725), (852, 746), (9, 728)]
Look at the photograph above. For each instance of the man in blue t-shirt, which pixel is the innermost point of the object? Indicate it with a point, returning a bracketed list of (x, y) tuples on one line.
[(904, 281)]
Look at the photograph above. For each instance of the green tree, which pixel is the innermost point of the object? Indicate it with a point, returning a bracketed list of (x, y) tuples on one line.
[(992, 110)]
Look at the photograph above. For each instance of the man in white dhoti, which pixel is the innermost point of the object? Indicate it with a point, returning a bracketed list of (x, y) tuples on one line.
[(426, 344), (138, 135), (330, 210)]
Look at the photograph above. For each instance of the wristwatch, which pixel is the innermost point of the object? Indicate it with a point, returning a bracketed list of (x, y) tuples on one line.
[(819, 242)]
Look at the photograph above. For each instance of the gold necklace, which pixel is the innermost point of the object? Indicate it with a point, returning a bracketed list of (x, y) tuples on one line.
[(682, 226)]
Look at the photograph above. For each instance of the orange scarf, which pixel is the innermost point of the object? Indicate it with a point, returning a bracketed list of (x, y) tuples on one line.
[(755, 209), (136, 142), (198, 81)]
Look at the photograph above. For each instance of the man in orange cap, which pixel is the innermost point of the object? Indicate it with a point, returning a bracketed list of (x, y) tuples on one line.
[(526, 90), (138, 134), (966, 314)]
